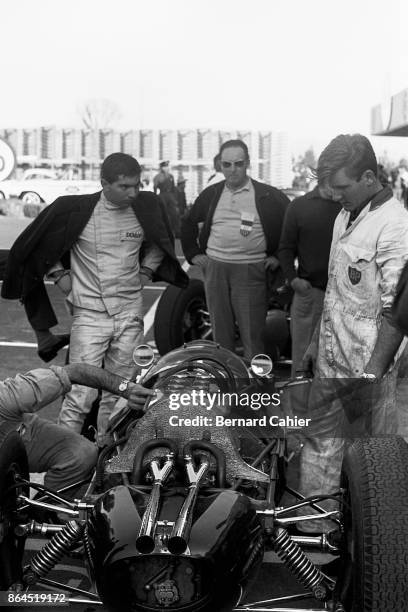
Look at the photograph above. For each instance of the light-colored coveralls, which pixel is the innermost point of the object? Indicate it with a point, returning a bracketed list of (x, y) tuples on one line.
[(365, 263), (107, 305), (64, 455)]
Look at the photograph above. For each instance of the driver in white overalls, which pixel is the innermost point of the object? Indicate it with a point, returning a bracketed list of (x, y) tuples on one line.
[(356, 338)]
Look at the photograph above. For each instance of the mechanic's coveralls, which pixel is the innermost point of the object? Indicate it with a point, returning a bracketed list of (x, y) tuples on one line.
[(365, 263)]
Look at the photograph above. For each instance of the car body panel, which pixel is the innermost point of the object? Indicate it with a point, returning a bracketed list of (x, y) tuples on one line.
[(46, 184)]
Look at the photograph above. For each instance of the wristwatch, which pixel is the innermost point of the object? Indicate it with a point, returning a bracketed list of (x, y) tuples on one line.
[(367, 376), (124, 385)]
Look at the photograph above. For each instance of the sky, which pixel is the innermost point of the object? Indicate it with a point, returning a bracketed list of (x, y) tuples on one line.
[(311, 68)]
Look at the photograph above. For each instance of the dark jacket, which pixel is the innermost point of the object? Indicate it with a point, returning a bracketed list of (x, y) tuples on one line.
[(270, 203), (51, 235)]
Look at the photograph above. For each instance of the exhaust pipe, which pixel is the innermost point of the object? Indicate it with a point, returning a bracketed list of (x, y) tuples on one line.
[(145, 541), (180, 534)]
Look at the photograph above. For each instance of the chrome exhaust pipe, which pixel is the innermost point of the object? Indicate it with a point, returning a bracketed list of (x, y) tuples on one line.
[(145, 541), (180, 534)]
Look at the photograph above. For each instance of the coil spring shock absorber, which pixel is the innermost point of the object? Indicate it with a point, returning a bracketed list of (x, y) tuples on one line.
[(53, 551), (298, 563)]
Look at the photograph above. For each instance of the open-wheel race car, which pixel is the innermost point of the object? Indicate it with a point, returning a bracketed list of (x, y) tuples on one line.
[(187, 498)]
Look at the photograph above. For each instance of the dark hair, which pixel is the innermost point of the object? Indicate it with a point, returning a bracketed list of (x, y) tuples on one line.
[(217, 162), (119, 164), (353, 152), (235, 143)]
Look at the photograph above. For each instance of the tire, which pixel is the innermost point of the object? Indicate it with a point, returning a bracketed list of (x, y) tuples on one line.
[(375, 479), (181, 316), (277, 334), (30, 197), (13, 463)]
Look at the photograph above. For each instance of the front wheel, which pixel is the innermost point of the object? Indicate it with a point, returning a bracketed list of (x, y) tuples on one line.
[(181, 316), (30, 197), (375, 480)]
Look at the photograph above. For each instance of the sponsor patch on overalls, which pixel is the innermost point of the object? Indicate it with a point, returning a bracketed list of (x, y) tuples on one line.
[(131, 234), (354, 275)]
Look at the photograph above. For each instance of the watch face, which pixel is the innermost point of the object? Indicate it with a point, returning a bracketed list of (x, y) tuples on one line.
[(123, 385)]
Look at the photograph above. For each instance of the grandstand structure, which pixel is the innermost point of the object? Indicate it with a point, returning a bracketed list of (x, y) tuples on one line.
[(79, 152)]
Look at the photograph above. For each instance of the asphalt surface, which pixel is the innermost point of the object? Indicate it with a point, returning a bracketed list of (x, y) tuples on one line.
[(18, 353)]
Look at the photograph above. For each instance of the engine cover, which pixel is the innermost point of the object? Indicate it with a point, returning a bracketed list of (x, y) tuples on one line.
[(225, 549)]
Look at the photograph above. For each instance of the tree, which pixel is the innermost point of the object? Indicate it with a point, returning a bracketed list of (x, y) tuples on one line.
[(303, 170), (99, 114)]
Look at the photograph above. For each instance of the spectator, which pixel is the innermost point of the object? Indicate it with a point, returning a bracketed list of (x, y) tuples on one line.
[(356, 342), (163, 183), (181, 195), (64, 455), (217, 176), (100, 249), (241, 225), (306, 238), (383, 175)]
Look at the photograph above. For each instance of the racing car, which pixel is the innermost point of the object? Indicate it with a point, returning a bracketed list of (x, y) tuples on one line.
[(191, 493)]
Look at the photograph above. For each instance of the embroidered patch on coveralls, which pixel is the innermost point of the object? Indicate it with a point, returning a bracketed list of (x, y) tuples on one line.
[(354, 275)]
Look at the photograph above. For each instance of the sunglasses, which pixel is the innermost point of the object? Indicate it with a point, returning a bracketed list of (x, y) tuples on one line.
[(237, 164)]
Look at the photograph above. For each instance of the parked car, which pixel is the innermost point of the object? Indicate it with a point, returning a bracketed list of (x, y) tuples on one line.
[(41, 185)]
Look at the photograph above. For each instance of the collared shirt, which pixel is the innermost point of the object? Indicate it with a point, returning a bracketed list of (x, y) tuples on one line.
[(23, 395), (236, 232), (105, 260)]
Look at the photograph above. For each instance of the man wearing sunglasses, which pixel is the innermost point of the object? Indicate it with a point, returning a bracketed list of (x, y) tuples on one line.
[(100, 250), (241, 221)]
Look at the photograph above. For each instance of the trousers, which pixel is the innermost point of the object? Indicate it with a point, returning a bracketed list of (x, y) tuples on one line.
[(304, 315), (236, 292), (100, 339), (65, 456), (336, 420)]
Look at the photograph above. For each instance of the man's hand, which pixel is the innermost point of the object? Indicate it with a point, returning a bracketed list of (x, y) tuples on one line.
[(64, 283), (92, 376), (310, 357), (144, 279), (301, 286), (388, 342), (137, 395), (200, 260), (271, 263), (358, 396), (145, 275)]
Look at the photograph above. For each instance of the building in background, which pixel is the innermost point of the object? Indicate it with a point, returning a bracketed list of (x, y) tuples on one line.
[(391, 117), (78, 152)]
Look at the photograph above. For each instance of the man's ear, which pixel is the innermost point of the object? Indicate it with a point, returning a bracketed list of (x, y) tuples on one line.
[(369, 177), (104, 183)]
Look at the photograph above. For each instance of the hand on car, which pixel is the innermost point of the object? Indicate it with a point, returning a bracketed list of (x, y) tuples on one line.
[(137, 395), (301, 286)]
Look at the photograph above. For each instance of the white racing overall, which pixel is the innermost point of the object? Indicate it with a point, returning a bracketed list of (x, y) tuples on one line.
[(365, 263)]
